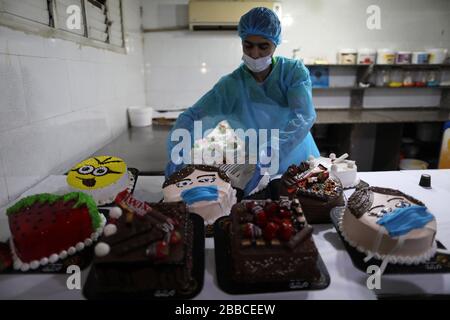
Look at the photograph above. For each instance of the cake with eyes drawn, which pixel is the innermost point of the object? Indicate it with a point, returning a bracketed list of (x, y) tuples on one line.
[(317, 190), (341, 168), (388, 225), (205, 189), (46, 228), (102, 177)]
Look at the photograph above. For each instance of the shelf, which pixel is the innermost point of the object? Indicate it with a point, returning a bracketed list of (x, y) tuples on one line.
[(382, 115), (381, 65), (338, 88), (375, 87)]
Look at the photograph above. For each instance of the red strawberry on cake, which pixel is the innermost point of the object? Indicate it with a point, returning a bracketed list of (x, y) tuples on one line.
[(46, 228)]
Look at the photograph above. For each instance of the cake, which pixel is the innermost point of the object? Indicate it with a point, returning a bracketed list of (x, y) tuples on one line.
[(389, 225), (46, 228), (341, 168), (147, 251), (317, 190), (205, 189), (220, 143), (271, 242), (101, 177)]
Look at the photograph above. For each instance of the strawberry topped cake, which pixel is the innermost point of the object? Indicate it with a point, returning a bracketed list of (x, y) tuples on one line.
[(46, 228)]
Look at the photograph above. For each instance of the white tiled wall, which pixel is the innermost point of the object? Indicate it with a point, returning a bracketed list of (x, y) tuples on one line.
[(60, 102), (174, 59)]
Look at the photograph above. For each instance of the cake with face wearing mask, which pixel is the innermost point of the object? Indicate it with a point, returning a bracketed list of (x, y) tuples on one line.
[(205, 189), (389, 225), (101, 177), (317, 190)]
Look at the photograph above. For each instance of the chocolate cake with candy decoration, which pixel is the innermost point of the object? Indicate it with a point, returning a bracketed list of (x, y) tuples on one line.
[(317, 191), (147, 248), (271, 241)]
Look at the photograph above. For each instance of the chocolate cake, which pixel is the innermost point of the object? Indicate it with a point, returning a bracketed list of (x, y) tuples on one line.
[(317, 191), (271, 242), (147, 252)]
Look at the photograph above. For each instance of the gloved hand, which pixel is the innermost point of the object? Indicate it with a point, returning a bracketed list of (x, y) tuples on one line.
[(263, 171)]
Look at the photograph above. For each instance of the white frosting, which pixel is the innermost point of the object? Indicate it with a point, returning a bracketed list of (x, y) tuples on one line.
[(34, 264), (63, 254), (344, 170), (115, 212), (222, 140), (54, 257), (102, 249), (79, 246), (109, 230)]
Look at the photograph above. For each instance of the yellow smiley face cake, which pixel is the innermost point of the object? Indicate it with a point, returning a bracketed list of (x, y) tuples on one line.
[(102, 177)]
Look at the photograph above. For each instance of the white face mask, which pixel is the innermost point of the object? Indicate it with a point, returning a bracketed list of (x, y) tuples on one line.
[(257, 65)]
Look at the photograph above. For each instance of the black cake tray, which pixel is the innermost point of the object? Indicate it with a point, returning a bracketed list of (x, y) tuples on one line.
[(439, 263), (82, 258), (224, 270), (91, 291)]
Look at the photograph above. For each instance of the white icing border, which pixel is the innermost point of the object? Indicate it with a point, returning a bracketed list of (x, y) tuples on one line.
[(408, 260), (54, 257)]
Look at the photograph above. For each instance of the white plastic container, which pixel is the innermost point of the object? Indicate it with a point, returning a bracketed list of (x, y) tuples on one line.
[(437, 55), (140, 116), (347, 56), (420, 57), (385, 56), (367, 56), (403, 57)]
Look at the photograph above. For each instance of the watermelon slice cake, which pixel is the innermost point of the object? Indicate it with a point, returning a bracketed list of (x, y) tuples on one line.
[(46, 227)]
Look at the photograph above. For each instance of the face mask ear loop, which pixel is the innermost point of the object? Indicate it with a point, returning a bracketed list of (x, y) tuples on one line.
[(385, 262), (376, 245)]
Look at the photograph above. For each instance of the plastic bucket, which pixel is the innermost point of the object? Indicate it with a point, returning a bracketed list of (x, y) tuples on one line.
[(413, 164), (140, 116)]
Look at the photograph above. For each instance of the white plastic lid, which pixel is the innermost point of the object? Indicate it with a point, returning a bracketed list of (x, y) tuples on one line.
[(347, 51), (367, 51), (386, 50)]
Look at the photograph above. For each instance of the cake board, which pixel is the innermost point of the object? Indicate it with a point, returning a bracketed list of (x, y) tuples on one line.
[(439, 263), (224, 269), (91, 291)]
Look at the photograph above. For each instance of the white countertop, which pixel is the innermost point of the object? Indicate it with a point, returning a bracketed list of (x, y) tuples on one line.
[(347, 282)]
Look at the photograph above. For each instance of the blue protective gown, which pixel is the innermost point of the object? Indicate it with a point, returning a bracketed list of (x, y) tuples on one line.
[(283, 101)]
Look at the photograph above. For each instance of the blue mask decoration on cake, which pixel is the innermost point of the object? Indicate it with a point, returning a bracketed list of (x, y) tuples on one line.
[(403, 220), (196, 194)]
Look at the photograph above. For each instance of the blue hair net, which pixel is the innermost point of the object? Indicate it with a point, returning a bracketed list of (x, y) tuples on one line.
[(260, 21)]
